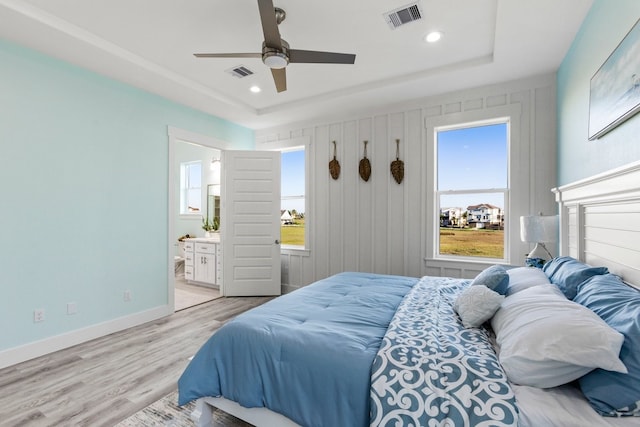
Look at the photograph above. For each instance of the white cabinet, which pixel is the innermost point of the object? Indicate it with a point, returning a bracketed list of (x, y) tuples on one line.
[(205, 263), (202, 261), (189, 247)]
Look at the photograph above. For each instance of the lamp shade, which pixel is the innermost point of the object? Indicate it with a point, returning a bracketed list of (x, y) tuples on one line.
[(539, 228)]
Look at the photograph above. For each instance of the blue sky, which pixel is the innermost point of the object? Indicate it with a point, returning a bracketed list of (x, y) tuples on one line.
[(292, 170), (472, 158)]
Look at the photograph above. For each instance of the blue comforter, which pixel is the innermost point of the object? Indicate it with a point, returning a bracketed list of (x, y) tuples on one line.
[(293, 352)]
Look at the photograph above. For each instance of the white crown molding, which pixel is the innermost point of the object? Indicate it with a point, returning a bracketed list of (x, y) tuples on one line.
[(403, 79), (85, 36)]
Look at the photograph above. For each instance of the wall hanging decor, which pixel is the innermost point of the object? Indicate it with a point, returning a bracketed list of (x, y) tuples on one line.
[(365, 165), (334, 165), (615, 87), (397, 166)]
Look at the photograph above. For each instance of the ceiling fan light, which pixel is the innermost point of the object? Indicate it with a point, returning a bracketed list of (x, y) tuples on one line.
[(275, 60)]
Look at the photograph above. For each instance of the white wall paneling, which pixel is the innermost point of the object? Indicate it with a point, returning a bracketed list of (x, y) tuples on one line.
[(412, 153), (396, 207), (384, 227), (334, 214), (353, 148), (381, 202), (363, 211)]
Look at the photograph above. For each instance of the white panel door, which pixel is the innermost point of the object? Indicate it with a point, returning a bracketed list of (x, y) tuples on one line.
[(250, 223)]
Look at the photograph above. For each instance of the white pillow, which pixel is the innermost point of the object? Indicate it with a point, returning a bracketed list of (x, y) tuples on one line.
[(521, 278), (546, 340), (476, 304)]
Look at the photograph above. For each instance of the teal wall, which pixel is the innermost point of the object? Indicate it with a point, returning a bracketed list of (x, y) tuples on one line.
[(604, 27), (83, 194)]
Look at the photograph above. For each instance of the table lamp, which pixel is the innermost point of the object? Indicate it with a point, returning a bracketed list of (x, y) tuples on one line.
[(538, 229)]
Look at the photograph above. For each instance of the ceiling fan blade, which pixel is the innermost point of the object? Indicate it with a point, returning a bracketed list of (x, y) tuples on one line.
[(269, 24), (316, 57), (280, 78), (228, 55)]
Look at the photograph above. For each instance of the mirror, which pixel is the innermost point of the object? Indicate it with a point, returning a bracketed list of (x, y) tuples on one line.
[(213, 205)]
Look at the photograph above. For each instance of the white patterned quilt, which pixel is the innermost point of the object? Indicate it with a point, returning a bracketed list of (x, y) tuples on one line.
[(432, 371)]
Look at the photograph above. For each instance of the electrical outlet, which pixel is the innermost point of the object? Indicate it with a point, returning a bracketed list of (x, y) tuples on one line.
[(72, 308), (38, 315), (127, 295)]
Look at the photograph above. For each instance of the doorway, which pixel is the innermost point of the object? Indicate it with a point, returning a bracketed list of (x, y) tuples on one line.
[(193, 174), (198, 181), (249, 219)]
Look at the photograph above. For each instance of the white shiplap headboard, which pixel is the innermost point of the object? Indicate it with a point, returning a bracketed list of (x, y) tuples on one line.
[(600, 221)]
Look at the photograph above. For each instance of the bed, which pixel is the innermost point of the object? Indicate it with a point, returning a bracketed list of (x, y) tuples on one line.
[(366, 349), (316, 352)]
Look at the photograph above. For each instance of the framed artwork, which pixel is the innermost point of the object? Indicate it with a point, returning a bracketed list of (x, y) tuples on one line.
[(615, 87)]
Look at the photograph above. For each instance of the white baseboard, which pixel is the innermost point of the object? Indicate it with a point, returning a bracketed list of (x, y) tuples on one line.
[(35, 349)]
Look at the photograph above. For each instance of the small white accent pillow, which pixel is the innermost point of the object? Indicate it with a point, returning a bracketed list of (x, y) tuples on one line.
[(476, 304), (546, 340), (521, 278)]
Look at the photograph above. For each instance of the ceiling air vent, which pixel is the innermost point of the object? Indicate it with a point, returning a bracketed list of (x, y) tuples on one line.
[(240, 71), (402, 16)]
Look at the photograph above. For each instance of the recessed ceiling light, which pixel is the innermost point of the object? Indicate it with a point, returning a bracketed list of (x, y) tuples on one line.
[(255, 89), (433, 36)]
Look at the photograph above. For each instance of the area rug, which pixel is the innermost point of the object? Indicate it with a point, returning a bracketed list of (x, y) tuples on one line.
[(166, 412)]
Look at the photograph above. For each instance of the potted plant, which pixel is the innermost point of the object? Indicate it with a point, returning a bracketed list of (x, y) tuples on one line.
[(210, 226), (207, 226)]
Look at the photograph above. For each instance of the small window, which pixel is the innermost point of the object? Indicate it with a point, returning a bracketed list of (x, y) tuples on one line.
[(191, 188), (292, 206), (472, 189)]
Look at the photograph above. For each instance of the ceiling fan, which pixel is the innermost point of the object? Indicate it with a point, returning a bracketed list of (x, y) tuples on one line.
[(276, 53)]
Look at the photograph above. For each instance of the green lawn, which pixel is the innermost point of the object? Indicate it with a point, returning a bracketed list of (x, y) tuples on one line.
[(293, 234), (472, 242), (453, 241)]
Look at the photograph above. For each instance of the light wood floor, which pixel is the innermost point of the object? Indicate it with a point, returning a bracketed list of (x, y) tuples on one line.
[(102, 382), (187, 295)]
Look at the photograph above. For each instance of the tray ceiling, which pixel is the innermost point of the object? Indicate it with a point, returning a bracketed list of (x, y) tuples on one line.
[(150, 44)]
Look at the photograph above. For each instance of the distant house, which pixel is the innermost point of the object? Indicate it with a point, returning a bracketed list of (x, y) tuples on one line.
[(484, 215), (285, 217), (452, 217)]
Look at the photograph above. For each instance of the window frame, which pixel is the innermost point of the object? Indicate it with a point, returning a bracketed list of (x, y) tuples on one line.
[(507, 215), (185, 188)]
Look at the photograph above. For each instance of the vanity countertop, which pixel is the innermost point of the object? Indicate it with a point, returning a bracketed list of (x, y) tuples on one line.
[(215, 239)]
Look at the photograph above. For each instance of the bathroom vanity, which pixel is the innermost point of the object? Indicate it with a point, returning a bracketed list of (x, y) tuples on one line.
[(203, 261)]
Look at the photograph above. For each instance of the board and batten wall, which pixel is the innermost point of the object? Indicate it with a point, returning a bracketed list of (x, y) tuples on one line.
[(383, 227)]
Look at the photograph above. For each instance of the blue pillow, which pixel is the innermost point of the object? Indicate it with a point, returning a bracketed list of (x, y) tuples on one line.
[(611, 393), (494, 278), (567, 273)]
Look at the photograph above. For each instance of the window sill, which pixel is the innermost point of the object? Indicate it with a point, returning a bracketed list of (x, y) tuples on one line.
[(192, 216), (467, 260), (294, 250)]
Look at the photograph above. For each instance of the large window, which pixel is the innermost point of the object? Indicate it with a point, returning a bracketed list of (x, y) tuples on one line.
[(191, 188), (292, 207), (472, 189)]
